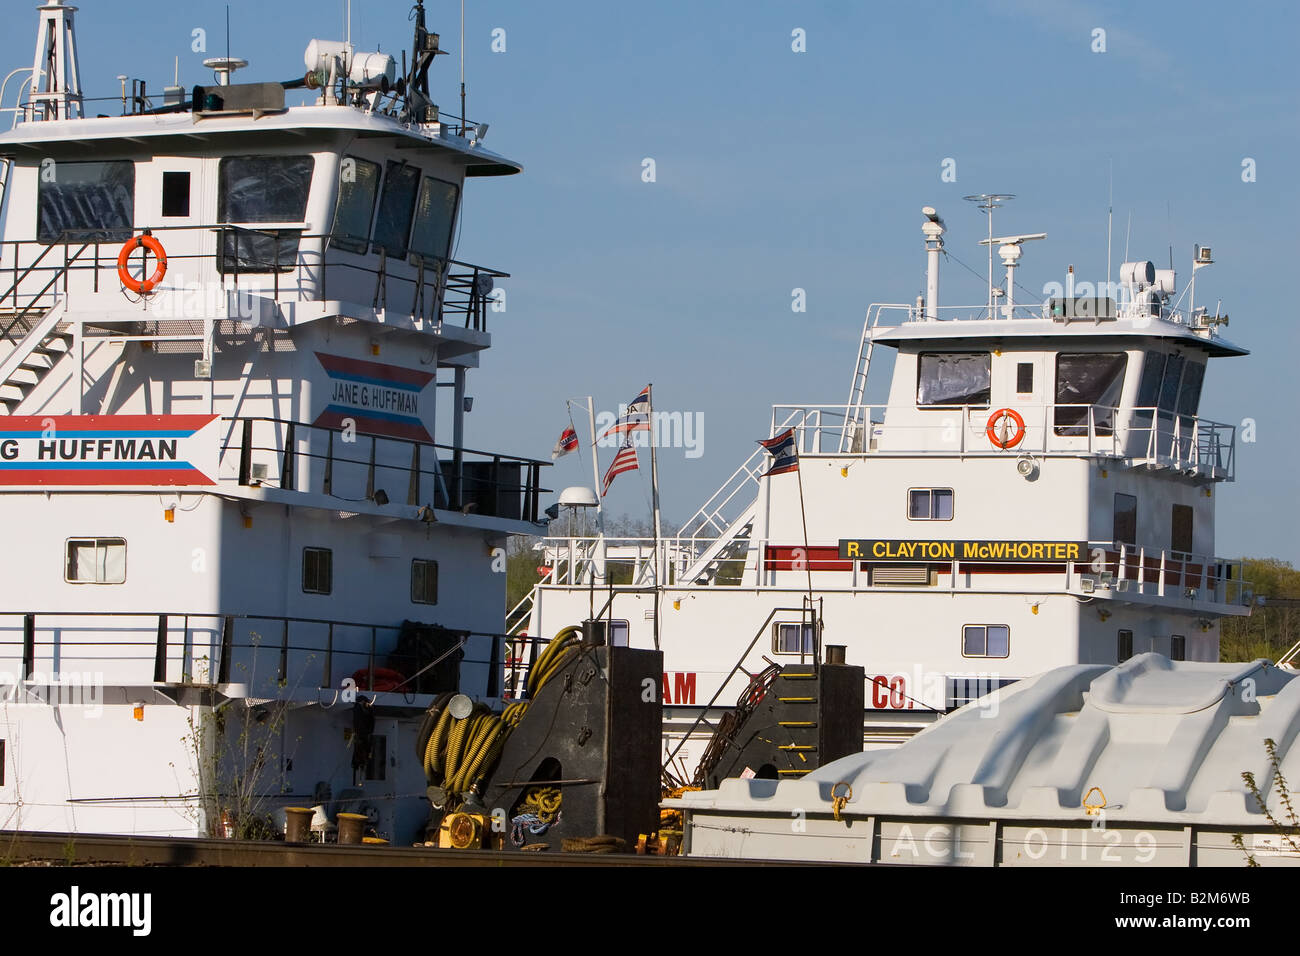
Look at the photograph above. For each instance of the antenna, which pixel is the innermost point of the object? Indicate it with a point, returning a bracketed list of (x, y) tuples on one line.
[(1110, 216), (988, 202), (462, 66)]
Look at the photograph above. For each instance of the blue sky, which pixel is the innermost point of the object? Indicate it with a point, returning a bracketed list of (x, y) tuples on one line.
[(778, 170)]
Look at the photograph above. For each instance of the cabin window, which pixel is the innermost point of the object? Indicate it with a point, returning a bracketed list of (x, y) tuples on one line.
[(96, 561), (1181, 537), (1177, 647), (1024, 378), (262, 189), (1170, 382), (358, 187), (1153, 370), (424, 581), (1125, 648), (396, 206), (786, 638), (953, 378), (435, 214), (317, 570), (176, 195), (1189, 393), (1088, 387), (986, 640), (85, 201), (619, 632), (1126, 519), (929, 504)]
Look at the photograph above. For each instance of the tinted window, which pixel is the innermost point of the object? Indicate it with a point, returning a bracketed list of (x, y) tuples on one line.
[(1153, 370), (953, 378), (424, 581), (317, 570), (358, 186), (1189, 393), (1088, 379), (1169, 384), (435, 215), (1126, 519), (1181, 537), (1024, 378), (176, 194), (1125, 646), (1177, 647), (255, 189), (83, 201), (396, 206)]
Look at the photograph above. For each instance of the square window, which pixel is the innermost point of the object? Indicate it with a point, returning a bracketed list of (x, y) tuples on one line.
[(176, 194), (96, 561), (929, 504), (1177, 647), (424, 581), (953, 378), (986, 640), (1125, 650), (786, 639), (317, 570), (618, 633)]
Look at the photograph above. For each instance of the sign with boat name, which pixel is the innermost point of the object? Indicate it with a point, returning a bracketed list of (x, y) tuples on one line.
[(1014, 552), (46, 451), (380, 399)]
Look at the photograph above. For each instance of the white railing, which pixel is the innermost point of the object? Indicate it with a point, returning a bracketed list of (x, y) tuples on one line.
[(1108, 569), (1124, 308), (1140, 436)]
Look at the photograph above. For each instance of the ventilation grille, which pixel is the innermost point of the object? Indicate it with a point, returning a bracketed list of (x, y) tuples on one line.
[(901, 575)]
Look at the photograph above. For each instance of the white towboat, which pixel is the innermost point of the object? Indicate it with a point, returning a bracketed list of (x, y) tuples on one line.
[(1037, 491), (243, 561), (1138, 763)]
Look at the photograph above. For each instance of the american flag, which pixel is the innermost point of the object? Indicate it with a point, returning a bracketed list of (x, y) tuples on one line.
[(635, 418), (625, 460), (568, 443), (784, 456)]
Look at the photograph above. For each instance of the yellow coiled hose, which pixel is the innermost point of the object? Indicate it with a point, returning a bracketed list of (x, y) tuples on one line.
[(461, 750)]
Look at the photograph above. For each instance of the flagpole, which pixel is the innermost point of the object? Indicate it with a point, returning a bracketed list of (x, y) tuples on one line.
[(654, 496), (807, 562), (595, 478)]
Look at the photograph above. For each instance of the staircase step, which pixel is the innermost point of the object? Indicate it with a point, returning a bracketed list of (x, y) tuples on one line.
[(799, 771), (805, 747), (797, 700), (797, 723)]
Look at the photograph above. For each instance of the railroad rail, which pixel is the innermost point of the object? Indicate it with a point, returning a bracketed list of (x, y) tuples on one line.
[(81, 849)]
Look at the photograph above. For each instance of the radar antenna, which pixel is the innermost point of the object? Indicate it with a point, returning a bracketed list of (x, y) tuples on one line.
[(987, 202)]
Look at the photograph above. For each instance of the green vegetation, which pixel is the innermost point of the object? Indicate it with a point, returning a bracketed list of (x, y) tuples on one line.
[(1272, 629), (1287, 827)]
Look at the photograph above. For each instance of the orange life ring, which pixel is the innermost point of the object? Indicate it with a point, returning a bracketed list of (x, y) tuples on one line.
[(997, 417), (141, 286)]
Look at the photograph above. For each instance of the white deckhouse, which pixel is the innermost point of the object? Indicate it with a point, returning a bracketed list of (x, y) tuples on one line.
[(228, 503)]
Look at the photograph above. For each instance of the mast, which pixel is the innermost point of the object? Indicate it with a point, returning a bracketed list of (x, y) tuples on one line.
[(654, 495), (56, 77), (598, 559)]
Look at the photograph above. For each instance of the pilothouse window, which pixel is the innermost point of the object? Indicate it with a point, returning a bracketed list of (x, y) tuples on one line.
[(953, 378), (358, 187), (396, 206), (434, 216), (1088, 387), (262, 189), (85, 201)]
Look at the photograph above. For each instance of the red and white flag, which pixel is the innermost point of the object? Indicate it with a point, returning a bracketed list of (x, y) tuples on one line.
[(568, 443), (625, 460), (635, 418)]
